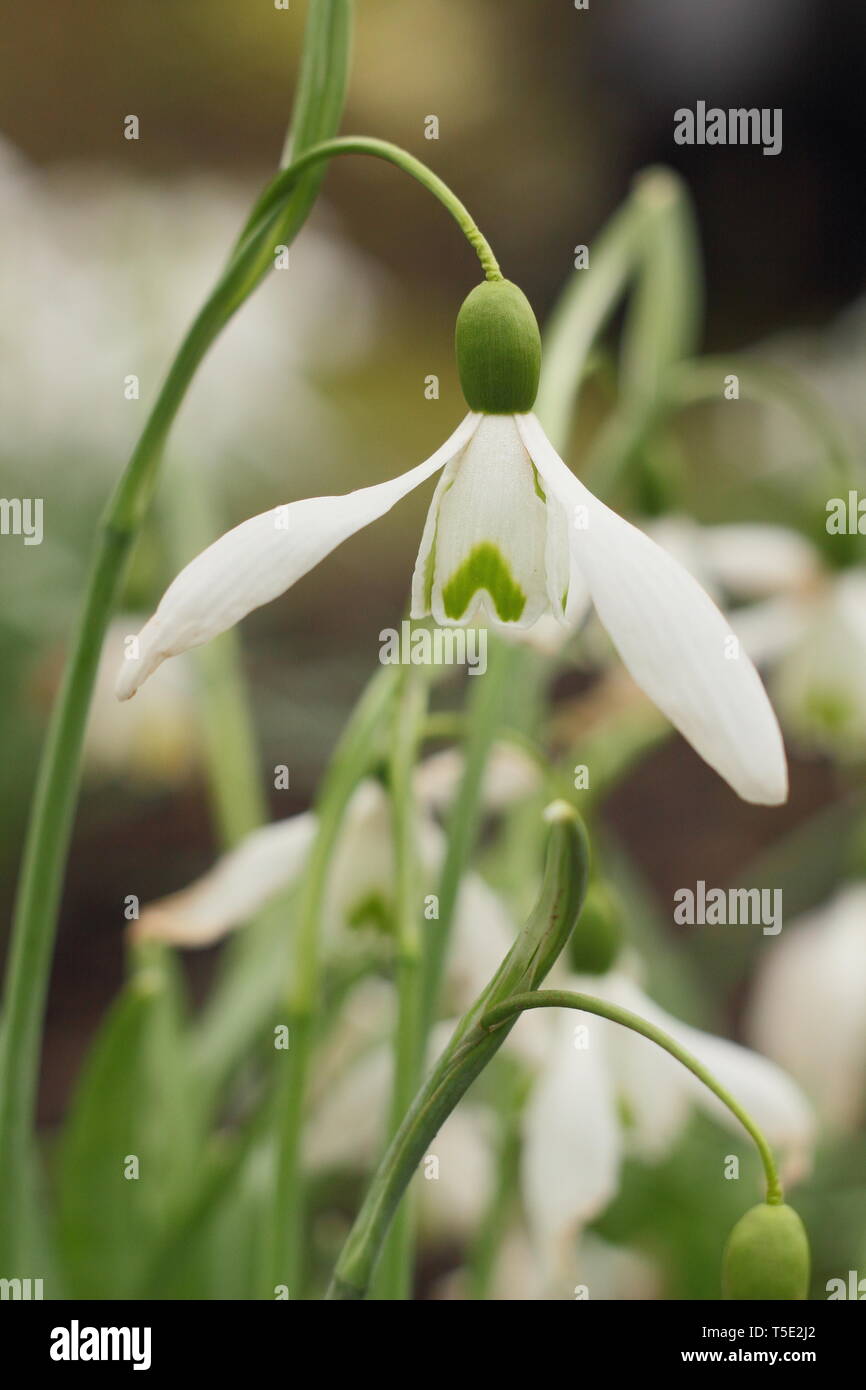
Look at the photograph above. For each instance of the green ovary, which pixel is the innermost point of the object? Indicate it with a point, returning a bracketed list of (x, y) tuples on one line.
[(484, 568), (371, 911), (829, 709)]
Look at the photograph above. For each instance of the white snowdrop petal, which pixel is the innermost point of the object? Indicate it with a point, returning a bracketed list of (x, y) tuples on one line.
[(674, 641), (453, 1204), (235, 889), (347, 1126), (754, 560), (820, 681), (260, 559), (483, 935), (571, 1152), (653, 1093), (813, 973)]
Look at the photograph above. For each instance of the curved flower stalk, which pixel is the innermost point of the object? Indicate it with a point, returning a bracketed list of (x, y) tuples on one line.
[(591, 1102), (602, 1091), (488, 1024), (347, 1118), (598, 1093), (808, 1009), (511, 536)]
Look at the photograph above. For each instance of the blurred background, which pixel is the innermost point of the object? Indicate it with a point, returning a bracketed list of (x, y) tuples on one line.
[(545, 114)]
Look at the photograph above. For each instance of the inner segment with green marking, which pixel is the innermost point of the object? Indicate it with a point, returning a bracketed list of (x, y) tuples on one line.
[(485, 567)]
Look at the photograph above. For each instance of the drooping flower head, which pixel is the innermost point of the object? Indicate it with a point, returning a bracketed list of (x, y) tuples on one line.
[(512, 536)]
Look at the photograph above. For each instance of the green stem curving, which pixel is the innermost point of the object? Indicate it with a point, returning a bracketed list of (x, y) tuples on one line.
[(504, 1014)]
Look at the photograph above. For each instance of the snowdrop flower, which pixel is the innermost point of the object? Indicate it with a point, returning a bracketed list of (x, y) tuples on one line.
[(360, 884), (602, 1090), (819, 675), (808, 1010), (511, 535)]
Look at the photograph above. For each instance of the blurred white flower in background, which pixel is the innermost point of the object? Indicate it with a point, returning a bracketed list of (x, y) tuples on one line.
[(808, 1008), (160, 746), (455, 1183), (600, 1270), (802, 622), (360, 878), (589, 1106), (101, 272)]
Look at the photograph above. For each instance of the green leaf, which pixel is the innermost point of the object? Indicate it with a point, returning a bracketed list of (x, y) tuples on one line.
[(128, 1147)]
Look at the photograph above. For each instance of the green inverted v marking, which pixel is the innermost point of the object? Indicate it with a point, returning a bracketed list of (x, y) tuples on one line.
[(484, 568)]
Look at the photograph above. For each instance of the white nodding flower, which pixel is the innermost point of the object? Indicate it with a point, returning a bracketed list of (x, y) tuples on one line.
[(359, 887), (512, 536), (235, 889), (808, 1009), (603, 1090)]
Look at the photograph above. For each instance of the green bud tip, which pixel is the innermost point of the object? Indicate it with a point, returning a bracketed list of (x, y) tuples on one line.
[(498, 349), (597, 938), (767, 1256)]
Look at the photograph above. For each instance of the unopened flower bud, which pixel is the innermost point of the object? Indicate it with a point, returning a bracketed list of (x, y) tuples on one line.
[(596, 940), (498, 349), (767, 1256)]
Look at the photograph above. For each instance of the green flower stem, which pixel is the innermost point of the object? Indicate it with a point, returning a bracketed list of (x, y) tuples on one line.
[(650, 239), (580, 315), (49, 829), (471, 1047), (320, 95), (504, 1014), (487, 700), (664, 313), (394, 1280), (356, 752), (495, 1219), (276, 192)]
